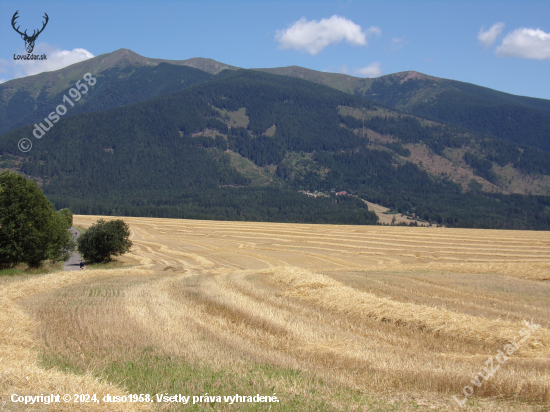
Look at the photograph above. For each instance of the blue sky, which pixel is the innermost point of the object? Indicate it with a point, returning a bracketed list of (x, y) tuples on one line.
[(504, 45)]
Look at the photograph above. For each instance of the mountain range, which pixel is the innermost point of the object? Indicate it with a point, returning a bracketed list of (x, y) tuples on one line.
[(201, 139)]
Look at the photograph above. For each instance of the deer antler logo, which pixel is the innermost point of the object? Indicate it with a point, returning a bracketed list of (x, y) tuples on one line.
[(29, 40)]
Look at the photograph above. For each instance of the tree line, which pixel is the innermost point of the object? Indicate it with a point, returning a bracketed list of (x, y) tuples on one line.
[(32, 231)]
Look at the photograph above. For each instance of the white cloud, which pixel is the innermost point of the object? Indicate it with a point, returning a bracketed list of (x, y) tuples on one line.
[(313, 36), (486, 38), (3, 81), (372, 70), (374, 30), (397, 43), (57, 59), (527, 43)]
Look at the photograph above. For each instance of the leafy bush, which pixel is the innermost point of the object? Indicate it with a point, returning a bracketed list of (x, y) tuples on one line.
[(30, 229), (68, 216), (105, 239)]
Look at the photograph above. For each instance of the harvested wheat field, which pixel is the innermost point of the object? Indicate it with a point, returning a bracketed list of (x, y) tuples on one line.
[(322, 317)]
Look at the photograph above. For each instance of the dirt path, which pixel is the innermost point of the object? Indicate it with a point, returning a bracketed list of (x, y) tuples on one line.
[(74, 261)]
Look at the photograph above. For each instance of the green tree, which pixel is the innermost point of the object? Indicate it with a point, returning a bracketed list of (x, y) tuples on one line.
[(475, 186), (104, 239), (68, 216), (61, 242), (31, 231)]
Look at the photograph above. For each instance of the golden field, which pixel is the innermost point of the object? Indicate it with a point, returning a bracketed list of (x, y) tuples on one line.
[(327, 317)]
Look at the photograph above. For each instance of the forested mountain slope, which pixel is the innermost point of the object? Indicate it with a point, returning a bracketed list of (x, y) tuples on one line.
[(130, 78), (517, 119), (177, 155), (124, 77)]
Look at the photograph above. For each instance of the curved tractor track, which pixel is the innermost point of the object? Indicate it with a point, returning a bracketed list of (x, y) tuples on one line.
[(391, 312)]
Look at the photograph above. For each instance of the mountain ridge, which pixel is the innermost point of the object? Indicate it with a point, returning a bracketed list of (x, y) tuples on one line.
[(518, 119), (514, 118), (19, 98), (195, 144), (176, 155)]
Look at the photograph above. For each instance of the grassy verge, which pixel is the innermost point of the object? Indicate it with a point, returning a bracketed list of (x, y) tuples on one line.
[(80, 229), (23, 269), (153, 373)]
